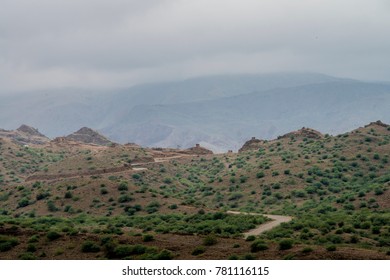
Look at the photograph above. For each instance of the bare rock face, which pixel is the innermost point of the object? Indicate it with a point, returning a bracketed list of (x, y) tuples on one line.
[(89, 136), (252, 144)]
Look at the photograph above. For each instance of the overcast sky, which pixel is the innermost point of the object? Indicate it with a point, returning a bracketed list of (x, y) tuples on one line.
[(116, 43)]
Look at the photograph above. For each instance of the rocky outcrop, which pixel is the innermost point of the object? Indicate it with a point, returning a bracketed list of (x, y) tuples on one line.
[(89, 136), (377, 123), (252, 144), (198, 150), (25, 135), (304, 132)]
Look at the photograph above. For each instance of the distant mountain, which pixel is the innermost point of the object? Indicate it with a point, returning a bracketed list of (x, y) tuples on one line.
[(218, 112), (332, 107)]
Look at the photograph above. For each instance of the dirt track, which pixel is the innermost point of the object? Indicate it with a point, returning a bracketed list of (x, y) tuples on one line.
[(276, 220)]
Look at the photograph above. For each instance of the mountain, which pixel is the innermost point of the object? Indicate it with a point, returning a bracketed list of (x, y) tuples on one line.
[(332, 107), (218, 112), (25, 135), (89, 136)]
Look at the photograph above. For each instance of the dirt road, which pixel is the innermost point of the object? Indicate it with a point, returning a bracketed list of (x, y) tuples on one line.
[(276, 220)]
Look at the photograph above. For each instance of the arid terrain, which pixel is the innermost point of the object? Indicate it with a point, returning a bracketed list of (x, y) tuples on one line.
[(83, 196)]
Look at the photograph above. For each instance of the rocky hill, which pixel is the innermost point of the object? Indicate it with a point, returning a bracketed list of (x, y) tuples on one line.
[(25, 135), (89, 136)]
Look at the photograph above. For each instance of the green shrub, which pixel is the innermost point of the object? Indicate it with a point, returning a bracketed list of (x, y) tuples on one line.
[(165, 255), (258, 245), (331, 248), (250, 238), (122, 251), (23, 202), (210, 240), (285, 244), (7, 243), (53, 235), (260, 174), (307, 250), (68, 195), (27, 256), (31, 248), (198, 251), (90, 247), (148, 238), (123, 186)]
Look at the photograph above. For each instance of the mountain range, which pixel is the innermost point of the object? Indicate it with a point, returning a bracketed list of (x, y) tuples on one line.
[(219, 112)]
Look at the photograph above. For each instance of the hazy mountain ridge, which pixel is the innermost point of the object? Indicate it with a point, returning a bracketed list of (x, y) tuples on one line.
[(221, 112)]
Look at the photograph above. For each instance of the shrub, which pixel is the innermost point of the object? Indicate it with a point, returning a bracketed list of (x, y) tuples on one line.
[(285, 244), (7, 243), (250, 238), (148, 238), (165, 255), (210, 240), (90, 247), (123, 186), (42, 195), (198, 251), (31, 248), (258, 245), (68, 195), (27, 256), (260, 174), (53, 235), (23, 203), (331, 248), (307, 250), (51, 206), (122, 251)]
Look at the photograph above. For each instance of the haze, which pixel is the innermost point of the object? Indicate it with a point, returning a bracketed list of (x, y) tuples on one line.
[(118, 43)]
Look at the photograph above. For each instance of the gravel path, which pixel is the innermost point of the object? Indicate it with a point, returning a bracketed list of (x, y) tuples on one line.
[(276, 220)]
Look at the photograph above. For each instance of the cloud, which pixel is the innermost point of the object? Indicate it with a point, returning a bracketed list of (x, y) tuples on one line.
[(104, 43)]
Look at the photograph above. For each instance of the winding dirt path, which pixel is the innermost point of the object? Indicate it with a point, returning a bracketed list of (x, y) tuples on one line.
[(276, 220)]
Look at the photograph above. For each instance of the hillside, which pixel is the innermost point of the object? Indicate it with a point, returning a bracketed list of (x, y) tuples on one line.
[(172, 202)]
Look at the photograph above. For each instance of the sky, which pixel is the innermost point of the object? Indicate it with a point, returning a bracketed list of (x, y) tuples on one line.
[(117, 43)]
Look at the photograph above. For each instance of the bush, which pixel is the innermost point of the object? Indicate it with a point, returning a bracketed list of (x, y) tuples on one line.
[(260, 174), (90, 247), (331, 248), (285, 244), (250, 238), (7, 243), (68, 195), (123, 186), (23, 203), (198, 251), (210, 240), (307, 250), (148, 238), (165, 255), (53, 235), (123, 251), (31, 248), (258, 245)]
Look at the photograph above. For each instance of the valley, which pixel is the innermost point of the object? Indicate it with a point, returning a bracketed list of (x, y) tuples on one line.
[(86, 197)]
